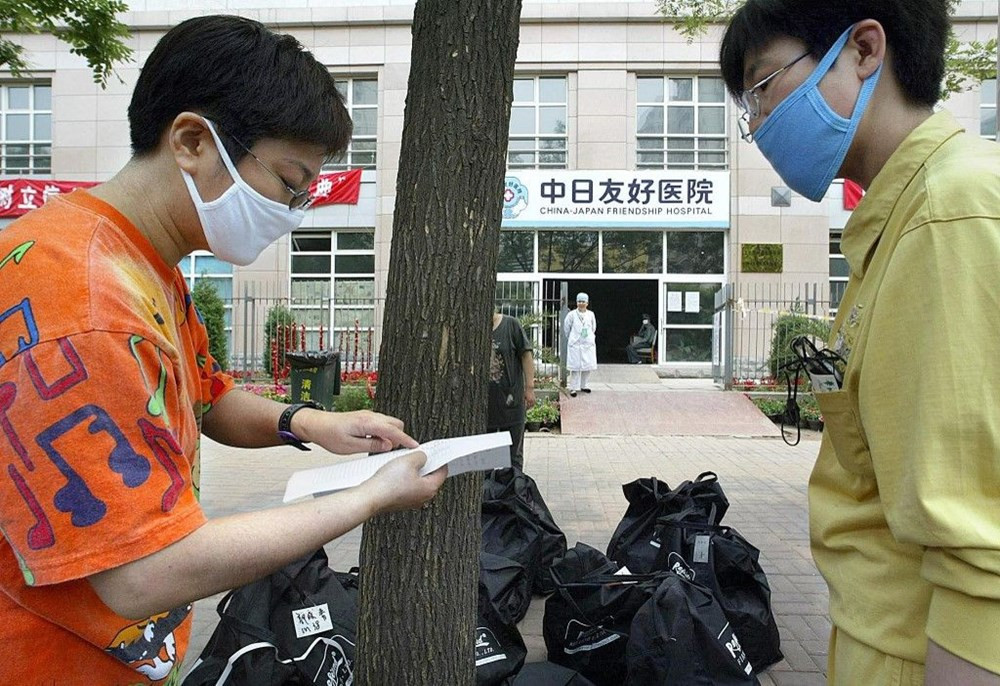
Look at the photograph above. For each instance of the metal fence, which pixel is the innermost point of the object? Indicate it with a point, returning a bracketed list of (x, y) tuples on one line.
[(262, 329), (754, 323)]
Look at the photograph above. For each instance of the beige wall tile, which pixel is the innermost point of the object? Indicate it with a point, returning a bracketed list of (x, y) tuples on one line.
[(601, 156)]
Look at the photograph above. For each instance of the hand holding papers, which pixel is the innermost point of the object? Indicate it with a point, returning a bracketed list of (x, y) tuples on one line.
[(461, 454)]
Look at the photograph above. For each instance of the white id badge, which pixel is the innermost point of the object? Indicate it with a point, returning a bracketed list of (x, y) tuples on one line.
[(824, 383), (584, 332)]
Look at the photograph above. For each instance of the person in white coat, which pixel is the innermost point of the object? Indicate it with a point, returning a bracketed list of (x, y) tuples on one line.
[(580, 328)]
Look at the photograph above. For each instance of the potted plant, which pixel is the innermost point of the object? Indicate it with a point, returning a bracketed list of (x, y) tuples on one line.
[(543, 412), (810, 417), (773, 408)]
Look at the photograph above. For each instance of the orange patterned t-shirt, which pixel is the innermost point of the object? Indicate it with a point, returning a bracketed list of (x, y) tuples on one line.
[(104, 377)]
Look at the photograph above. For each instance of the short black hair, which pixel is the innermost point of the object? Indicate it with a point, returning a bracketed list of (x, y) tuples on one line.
[(254, 83), (916, 32)]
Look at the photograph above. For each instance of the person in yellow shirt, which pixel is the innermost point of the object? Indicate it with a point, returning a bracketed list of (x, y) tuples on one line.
[(905, 495)]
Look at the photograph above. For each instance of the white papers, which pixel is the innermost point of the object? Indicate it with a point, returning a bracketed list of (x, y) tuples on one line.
[(674, 301), (692, 301), (461, 454)]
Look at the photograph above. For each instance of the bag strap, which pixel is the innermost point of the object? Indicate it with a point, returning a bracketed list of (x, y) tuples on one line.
[(261, 646)]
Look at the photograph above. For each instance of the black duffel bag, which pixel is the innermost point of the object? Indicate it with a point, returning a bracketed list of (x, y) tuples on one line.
[(588, 618), (634, 544), (296, 626), (506, 583), (500, 650), (548, 674), (719, 558), (518, 525), (681, 636)]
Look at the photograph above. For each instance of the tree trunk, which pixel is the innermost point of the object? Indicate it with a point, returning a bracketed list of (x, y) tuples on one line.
[(419, 570)]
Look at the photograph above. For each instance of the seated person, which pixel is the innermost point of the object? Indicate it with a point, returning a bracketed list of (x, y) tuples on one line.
[(643, 339)]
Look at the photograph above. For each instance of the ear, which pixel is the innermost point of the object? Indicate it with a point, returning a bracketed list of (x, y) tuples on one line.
[(869, 43), (190, 142)]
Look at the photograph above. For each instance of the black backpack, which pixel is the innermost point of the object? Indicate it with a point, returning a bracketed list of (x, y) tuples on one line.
[(634, 544), (518, 525), (296, 626), (719, 558), (681, 636)]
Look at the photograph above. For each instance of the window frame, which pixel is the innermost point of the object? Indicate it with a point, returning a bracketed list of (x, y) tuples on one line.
[(348, 159), (330, 305), (986, 107), (536, 137), (32, 143), (665, 136)]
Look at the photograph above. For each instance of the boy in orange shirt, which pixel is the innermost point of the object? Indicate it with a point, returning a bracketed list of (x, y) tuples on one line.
[(106, 382)]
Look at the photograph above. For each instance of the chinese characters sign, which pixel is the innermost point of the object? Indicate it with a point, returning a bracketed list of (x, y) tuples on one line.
[(18, 196), (610, 199)]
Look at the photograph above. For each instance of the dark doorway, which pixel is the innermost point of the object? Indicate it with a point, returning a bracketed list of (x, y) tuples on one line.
[(618, 306)]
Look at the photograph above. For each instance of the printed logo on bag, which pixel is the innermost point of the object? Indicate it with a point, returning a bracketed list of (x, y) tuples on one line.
[(487, 647), (341, 669), (580, 637), (311, 620), (679, 566), (736, 650)]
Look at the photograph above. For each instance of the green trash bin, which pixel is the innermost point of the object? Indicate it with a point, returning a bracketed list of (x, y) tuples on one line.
[(315, 376)]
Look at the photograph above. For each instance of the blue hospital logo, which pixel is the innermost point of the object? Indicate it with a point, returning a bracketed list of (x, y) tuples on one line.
[(515, 197)]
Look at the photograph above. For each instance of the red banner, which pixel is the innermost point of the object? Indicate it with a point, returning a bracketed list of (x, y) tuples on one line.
[(18, 196), (337, 188), (852, 194)]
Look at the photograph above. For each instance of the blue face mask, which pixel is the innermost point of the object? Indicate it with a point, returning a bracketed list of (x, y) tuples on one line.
[(806, 141)]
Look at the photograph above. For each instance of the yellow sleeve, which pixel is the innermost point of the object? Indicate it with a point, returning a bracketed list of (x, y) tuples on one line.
[(930, 403)]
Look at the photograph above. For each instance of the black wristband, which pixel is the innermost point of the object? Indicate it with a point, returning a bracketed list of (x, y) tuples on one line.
[(285, 424)]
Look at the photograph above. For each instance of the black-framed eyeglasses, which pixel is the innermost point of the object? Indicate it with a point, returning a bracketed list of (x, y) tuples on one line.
[(749, 100), (300, 199)]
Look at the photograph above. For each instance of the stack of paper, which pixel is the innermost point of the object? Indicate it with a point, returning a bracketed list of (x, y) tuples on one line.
[(461, 454)]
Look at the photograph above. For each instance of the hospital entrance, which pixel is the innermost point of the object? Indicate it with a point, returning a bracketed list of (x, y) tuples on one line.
[(618, 305)]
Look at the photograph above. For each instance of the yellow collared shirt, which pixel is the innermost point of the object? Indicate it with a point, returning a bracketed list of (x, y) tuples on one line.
[(905, 494)]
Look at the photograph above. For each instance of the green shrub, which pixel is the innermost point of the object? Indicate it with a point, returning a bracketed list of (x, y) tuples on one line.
[(769, 406), (352, 398), (788, 327), (213, 312), (543, 411), (277, 316)]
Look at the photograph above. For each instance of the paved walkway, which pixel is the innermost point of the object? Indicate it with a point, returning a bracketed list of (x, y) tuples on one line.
[(580, 478), (630, 400)]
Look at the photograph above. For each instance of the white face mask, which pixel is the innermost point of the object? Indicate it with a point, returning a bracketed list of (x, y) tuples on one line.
[(240, 223)]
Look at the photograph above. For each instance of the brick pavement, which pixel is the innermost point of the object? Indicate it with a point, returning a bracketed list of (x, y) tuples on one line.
[(581, 478)]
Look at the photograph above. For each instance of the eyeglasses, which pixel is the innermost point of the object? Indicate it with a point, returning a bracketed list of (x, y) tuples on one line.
[(749, 100), (300, 199)]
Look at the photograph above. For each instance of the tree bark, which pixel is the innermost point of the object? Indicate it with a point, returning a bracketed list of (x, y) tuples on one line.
[(419, 570)]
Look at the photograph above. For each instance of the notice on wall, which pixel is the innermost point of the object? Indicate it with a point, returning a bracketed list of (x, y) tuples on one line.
[(675, 301), (692, 301)]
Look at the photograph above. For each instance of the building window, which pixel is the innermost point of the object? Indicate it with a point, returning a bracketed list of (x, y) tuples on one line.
[(201, 265), (695, 252), (26, 128), (517, 252), (632, 252), (681, 122), (333, 287), (687, 328), (538, 119), (569, 252), (839, 272), (361, 97), (988, 110)]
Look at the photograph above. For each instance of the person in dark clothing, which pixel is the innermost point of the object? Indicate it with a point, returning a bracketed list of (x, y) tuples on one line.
[(643, 339), (512, 383)]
